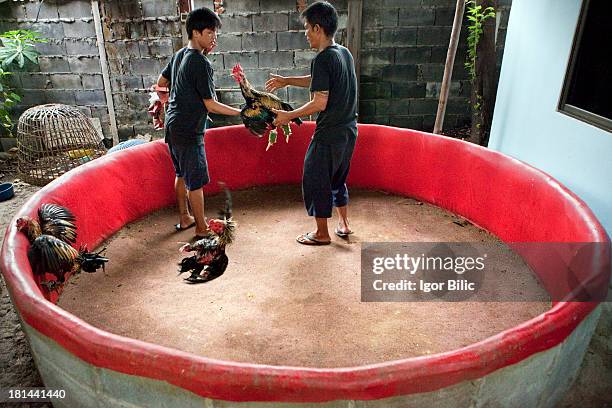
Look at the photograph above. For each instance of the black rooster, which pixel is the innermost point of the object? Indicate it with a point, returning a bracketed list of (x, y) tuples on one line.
[(256, 114), (210, 250), (51, 248)]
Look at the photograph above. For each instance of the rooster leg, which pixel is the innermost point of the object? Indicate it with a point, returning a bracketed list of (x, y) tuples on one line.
[(287, 131), (197, 277), (215, 269), (272, 138)]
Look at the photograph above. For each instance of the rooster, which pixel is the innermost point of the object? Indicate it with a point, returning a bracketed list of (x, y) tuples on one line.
[(51, 250), (210, 250), (256, 114), (158, 101)]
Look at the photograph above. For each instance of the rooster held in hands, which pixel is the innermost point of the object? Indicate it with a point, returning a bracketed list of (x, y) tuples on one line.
[(257, 115), (210, 250), (51, 250)]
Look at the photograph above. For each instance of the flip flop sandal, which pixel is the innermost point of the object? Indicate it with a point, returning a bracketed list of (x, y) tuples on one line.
[(309, 239), (178, 227)]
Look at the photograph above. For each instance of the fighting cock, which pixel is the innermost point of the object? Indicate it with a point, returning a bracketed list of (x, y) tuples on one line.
[(256, 114), (210, 250), (51, 250)]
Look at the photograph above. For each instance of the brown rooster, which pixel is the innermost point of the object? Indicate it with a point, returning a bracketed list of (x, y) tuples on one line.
[(51, 250), (210, 250), (256, 114)]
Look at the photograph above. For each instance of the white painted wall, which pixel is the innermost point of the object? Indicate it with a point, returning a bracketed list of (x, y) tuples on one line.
[(526, 124)]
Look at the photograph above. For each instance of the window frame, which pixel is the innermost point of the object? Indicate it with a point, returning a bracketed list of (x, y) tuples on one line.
[(566, 108)]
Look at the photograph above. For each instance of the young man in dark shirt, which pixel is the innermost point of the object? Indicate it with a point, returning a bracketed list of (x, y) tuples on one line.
[(334, 85), (189, 75)]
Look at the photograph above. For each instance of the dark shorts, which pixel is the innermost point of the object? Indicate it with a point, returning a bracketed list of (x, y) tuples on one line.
[(190, 163), (326, 167)]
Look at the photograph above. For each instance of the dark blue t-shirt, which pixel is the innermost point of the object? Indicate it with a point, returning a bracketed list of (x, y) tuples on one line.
[(191, 81), (333, 70)]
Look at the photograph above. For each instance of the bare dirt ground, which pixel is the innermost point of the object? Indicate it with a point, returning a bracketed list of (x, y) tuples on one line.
[(593, 387), (17, 367), (281, 303)]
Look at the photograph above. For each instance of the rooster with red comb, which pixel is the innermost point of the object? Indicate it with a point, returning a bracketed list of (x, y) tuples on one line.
[(210, 260), (257, 114), (51, 239)]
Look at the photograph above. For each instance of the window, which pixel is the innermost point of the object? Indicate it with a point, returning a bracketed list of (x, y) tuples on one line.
[(587, 91)]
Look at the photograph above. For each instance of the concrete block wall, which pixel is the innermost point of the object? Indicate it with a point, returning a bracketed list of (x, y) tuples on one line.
[(404, 45), (69, 67), (139, 38), (403, 53)]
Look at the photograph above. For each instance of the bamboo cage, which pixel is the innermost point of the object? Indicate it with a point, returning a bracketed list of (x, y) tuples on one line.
[(53, 139)]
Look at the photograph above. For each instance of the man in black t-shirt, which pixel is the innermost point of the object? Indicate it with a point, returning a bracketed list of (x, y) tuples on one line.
[(189, 75), (334, 85)]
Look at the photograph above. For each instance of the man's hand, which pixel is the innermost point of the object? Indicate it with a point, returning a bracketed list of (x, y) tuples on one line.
[(275, 82), (212, 47), (282, 117)]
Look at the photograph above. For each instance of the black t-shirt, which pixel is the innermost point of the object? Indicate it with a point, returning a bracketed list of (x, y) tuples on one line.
[(333, 70), (191, 81)]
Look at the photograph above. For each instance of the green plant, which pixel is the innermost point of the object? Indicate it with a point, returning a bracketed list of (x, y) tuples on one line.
[(17, 48), (8, 99), (476, 16)]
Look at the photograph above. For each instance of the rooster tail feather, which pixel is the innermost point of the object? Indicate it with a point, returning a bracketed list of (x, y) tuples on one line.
[(227, 211)]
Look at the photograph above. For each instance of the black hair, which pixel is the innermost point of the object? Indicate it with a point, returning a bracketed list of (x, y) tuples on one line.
[(323, 14), (201, 19)]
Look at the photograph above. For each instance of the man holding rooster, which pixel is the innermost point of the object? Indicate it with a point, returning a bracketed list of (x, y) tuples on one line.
[(189, 75), (334, 86)]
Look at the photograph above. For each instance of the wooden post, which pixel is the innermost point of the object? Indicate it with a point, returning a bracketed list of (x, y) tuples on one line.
[(353, 33), (448, 68), (95, 9)]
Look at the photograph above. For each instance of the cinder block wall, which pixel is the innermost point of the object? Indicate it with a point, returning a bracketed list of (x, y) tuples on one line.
[(140, 37), (69, 67), (404, 45)]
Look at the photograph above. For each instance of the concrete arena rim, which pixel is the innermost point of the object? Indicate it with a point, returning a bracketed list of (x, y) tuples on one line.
[(382, 157)]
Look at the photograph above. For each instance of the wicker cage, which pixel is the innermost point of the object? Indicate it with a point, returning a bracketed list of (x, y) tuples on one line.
[(53, 139)]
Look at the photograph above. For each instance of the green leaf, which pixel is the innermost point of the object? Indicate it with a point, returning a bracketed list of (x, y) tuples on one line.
[(32, 56), (8, 60), (17, 45)]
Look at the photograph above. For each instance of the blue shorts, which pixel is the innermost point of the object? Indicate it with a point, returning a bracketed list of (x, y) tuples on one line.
[(190, 163)]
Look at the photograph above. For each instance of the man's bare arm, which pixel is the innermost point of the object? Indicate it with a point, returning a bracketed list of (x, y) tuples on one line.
[(317, 104), (162, 81), (214, 106), (278, 82)]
